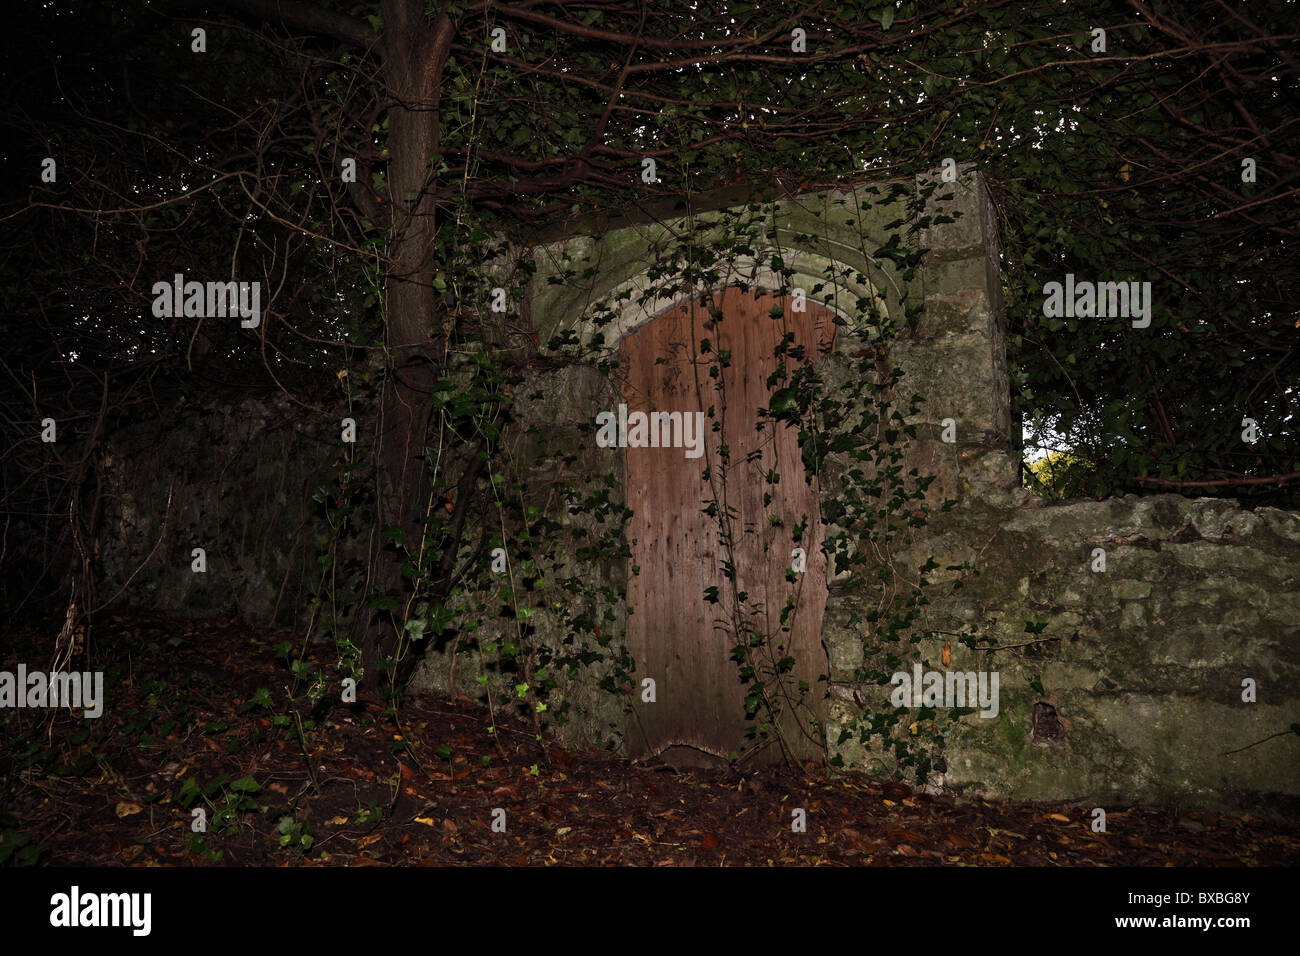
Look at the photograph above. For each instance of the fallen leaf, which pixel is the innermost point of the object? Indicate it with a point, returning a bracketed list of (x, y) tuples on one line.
[(1058, 816), (906, 836), (427, 821), (127, 809), (709, 841), (896, 790)]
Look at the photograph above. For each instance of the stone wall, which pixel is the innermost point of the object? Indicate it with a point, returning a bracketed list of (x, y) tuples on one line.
[(1127, 684), (1132, 689), (232, 478)]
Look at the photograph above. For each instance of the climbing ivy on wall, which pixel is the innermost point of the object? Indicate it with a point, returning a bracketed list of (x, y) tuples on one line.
[(854, 429)]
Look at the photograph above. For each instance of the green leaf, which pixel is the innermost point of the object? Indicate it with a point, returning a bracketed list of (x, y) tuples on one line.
[(785, 400)]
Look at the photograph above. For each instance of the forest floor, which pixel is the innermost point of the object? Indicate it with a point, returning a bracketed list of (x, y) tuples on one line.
[(198, 716)]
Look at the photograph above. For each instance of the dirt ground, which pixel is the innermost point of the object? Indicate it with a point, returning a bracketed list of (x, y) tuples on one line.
[(199, 717)]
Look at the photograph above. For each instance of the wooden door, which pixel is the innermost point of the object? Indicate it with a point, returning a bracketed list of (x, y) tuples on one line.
[(675, 635)]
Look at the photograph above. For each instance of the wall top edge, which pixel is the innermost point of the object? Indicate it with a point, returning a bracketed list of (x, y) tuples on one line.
[(668, 208)]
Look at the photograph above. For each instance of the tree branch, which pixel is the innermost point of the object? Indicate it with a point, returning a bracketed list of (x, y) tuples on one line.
[(307, 16), (1180, 485)]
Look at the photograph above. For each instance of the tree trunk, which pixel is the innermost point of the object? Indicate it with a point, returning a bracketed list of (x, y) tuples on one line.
[(415, 50)]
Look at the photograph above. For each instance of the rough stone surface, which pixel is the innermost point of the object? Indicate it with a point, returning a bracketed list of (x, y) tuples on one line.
[(1143, 662), (234, 480)]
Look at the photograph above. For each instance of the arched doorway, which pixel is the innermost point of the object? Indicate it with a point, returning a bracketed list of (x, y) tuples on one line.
[(676, 635)]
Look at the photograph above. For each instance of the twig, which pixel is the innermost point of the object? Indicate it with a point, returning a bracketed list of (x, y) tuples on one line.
[(161, 535), (1003, 647), (1180, 485), (1280, 733)]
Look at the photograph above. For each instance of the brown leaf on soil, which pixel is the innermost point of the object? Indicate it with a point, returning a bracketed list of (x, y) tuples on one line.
[(579, 808), (895, 790)]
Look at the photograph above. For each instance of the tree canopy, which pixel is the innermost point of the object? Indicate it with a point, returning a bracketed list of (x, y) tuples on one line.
[(1148, 142)]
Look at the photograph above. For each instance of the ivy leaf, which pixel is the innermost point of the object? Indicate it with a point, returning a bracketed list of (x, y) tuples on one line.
[(784, 401), (245, 785)]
